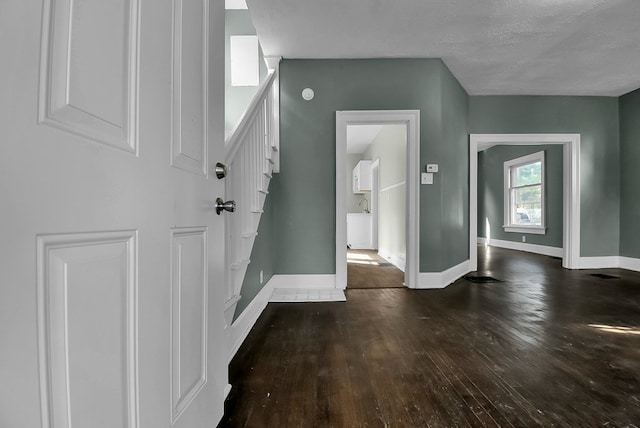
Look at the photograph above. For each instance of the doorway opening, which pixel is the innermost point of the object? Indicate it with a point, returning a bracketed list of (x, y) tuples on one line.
[(376, 204), (376, 199), (570, 185)]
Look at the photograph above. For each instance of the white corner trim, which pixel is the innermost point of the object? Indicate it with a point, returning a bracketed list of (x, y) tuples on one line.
[(303, 282), (238, 331), (630, 263), (428, 280), (522, 246), (398, 262)]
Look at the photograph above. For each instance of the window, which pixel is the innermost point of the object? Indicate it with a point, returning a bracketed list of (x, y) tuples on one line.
[(524, 194), (245, 70)]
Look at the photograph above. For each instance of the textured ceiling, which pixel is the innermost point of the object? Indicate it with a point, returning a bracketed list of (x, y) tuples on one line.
[(501, 47)]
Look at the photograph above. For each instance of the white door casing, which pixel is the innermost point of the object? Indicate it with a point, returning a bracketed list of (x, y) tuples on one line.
[(375, 202), (571, 188), (111, 296), (362, 117)]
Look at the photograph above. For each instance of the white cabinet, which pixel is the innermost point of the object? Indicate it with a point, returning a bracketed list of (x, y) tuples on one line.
[(359, 231), (362, 177)]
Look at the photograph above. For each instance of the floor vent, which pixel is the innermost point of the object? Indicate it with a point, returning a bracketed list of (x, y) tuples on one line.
[(481, 279), (604, 276)]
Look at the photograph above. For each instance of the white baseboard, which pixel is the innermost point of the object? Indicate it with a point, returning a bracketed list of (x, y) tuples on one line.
[(238, 331), (609, 262), (600, 262), (303, 281), (523, 246), (398, 262), (361, 247), (630, 263), (442, 279)]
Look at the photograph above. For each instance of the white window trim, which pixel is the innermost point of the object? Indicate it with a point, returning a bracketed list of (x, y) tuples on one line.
[(508, 227)]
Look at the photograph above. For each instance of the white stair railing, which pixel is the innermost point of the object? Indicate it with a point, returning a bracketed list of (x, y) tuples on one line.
[(252, 157)]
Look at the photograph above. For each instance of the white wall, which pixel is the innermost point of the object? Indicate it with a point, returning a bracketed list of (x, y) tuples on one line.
[(390, 147)]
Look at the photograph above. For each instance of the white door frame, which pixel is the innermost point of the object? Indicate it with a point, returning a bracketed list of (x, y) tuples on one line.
[(411, 118), (375, 202), (571, 188)]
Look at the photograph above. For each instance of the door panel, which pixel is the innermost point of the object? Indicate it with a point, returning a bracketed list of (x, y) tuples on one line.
[(112, 291), (89, 93), (189, 85), (87, 329), (189, 317)]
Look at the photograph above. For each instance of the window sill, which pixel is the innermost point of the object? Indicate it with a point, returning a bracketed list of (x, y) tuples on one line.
[(534, 230)]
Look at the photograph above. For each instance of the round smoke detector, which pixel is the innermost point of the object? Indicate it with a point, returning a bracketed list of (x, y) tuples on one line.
[(307, 94)]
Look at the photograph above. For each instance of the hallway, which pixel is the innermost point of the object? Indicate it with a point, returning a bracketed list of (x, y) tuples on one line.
[(545, 347), (366, 269)]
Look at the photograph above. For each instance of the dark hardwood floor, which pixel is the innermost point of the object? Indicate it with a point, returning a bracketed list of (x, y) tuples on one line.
[(366, 269), (545, 347)]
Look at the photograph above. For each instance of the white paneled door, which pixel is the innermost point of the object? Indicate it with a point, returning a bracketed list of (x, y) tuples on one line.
[(111, 279)]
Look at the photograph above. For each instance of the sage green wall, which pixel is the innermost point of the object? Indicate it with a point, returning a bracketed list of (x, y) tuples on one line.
[(630, 175), (390, 147), (491, 193), (353, 200), (304, 191), (262, 258), (597, 120), (237, 98), (452, 180)]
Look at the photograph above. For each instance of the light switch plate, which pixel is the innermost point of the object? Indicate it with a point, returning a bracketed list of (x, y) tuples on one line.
[(426, 178), (432, 167)]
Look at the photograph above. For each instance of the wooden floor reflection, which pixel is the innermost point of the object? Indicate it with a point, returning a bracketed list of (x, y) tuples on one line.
[(545, 347), (366, 269)]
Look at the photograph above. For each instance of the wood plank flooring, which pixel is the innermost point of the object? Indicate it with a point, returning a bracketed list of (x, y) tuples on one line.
[(546, 347), (366, 269)]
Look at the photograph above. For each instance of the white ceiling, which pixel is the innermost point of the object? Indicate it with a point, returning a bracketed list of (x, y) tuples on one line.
[(360, 136), (501, 47), (235, 4)]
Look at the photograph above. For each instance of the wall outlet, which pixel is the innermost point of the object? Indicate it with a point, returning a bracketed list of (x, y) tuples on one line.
[(426, 178), (524, 238), (261, 276)]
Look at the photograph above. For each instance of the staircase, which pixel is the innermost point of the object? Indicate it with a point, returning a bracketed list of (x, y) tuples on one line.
[(252, 157)]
